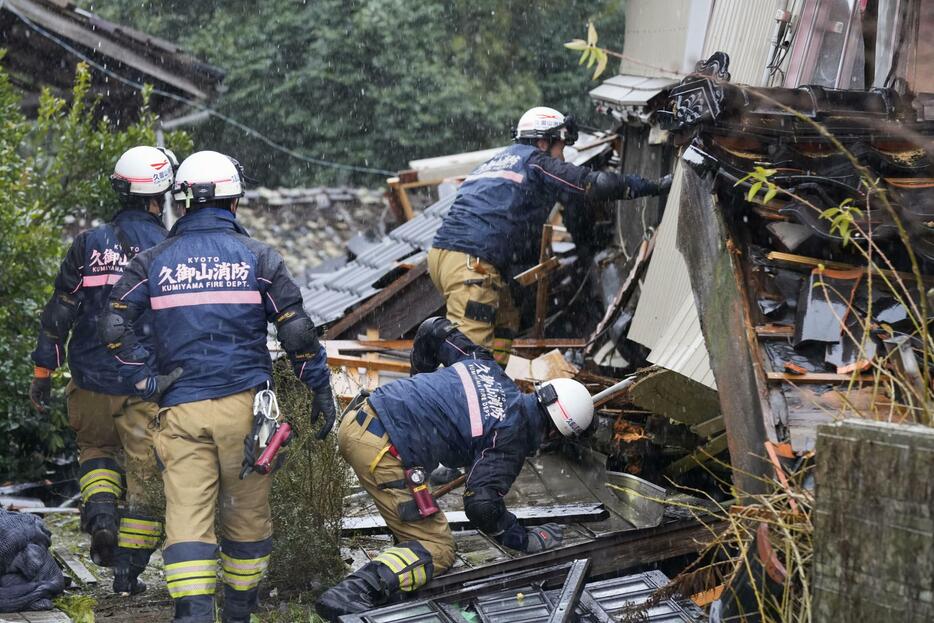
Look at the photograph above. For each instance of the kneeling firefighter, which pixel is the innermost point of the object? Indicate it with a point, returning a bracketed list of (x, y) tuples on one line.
[(494, 227), (108, 414), (212, 290), (466, 414)]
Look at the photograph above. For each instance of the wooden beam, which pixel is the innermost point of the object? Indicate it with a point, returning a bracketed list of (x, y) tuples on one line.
[(803, 261), (818, 377), (381, 345), (645, 252), (701, 455), (375, 301), (370, 364), (537, 272), (399, 190), (775, 330)]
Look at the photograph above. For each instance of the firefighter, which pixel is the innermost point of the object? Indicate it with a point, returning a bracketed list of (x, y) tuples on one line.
[(493, 229), (108, 415), (211, 290), (466, 414)]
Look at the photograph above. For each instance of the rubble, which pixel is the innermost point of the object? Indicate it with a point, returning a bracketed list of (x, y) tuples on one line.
[(310, 226)]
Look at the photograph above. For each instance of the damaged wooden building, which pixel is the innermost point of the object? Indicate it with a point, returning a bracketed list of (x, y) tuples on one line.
[(781, 284)]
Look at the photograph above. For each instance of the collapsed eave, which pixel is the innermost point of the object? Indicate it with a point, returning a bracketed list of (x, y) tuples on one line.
[(46, 39)]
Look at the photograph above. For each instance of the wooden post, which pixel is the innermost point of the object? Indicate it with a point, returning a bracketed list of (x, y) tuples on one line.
[(398, 191), (873, 525), (729, 334), (541, 293)]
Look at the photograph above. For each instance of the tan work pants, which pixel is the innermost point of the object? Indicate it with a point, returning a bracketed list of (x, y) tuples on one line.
[(478, 299), (367, 455), (200, 445), (119, 428)]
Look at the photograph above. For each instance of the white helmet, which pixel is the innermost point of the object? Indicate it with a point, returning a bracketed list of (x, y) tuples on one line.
[(207, 176), (543, 122), (568, 403), (144, 172)]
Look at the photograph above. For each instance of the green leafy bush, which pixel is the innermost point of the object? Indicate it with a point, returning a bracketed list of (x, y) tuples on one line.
[(307, 497), (53, 168)]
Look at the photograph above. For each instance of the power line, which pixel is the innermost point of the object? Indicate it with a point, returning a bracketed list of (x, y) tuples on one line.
[(226, 119)]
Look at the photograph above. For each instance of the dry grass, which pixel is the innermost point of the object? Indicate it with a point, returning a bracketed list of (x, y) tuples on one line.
[(762, 558)]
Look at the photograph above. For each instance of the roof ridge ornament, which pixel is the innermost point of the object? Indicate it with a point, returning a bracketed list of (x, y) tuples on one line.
[(700, 96), (717, 66)]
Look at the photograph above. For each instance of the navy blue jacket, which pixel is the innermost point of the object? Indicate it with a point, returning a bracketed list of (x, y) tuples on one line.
[(93, 264), (212, 290), (501, 207), (467, 414)]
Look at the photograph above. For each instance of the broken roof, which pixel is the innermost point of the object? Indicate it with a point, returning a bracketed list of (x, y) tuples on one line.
[(45, 39), (624, 90), (330, 295)]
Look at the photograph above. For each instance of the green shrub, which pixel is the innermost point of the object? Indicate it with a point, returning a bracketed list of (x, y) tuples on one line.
[(55, 167), (307, 496)]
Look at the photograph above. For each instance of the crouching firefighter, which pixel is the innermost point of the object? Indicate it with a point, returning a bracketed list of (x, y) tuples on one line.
[(467, 414), (108, 414), (212, 290), (493, 230)]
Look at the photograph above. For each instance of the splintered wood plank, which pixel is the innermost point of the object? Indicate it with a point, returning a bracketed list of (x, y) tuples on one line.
[(675, 396), (359, 362), (775, 331), (537, 272), (43, 616), (802, 261), (74, 566)]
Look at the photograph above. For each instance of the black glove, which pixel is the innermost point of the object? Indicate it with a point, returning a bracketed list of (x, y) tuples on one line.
[(541, 538), (40, 392), (156, 385), (323, 403), (664, 185), (430, 334)]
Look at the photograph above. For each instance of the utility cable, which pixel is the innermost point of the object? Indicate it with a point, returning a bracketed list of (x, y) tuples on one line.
[(225, 118)]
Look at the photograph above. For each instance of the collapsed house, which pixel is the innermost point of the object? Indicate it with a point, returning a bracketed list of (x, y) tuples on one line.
[(740, 306), (742, 313), (45, 40)]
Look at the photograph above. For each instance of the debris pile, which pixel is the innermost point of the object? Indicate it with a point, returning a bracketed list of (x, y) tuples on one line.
[(824, 199), (310, 226)]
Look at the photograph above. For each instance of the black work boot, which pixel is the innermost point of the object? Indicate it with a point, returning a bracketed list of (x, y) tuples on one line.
[(128, 565), (194, 609), (100, 521), (372, 585), (239, 605)]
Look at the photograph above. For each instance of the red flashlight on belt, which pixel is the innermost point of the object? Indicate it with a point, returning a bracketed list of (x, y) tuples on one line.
[(281, 437), (417, 481)]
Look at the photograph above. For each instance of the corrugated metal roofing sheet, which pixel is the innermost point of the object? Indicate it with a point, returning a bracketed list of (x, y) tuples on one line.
[(628, 90), (742, 29), (666, 318), (656, 36), (329, 295), (681, 347)]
